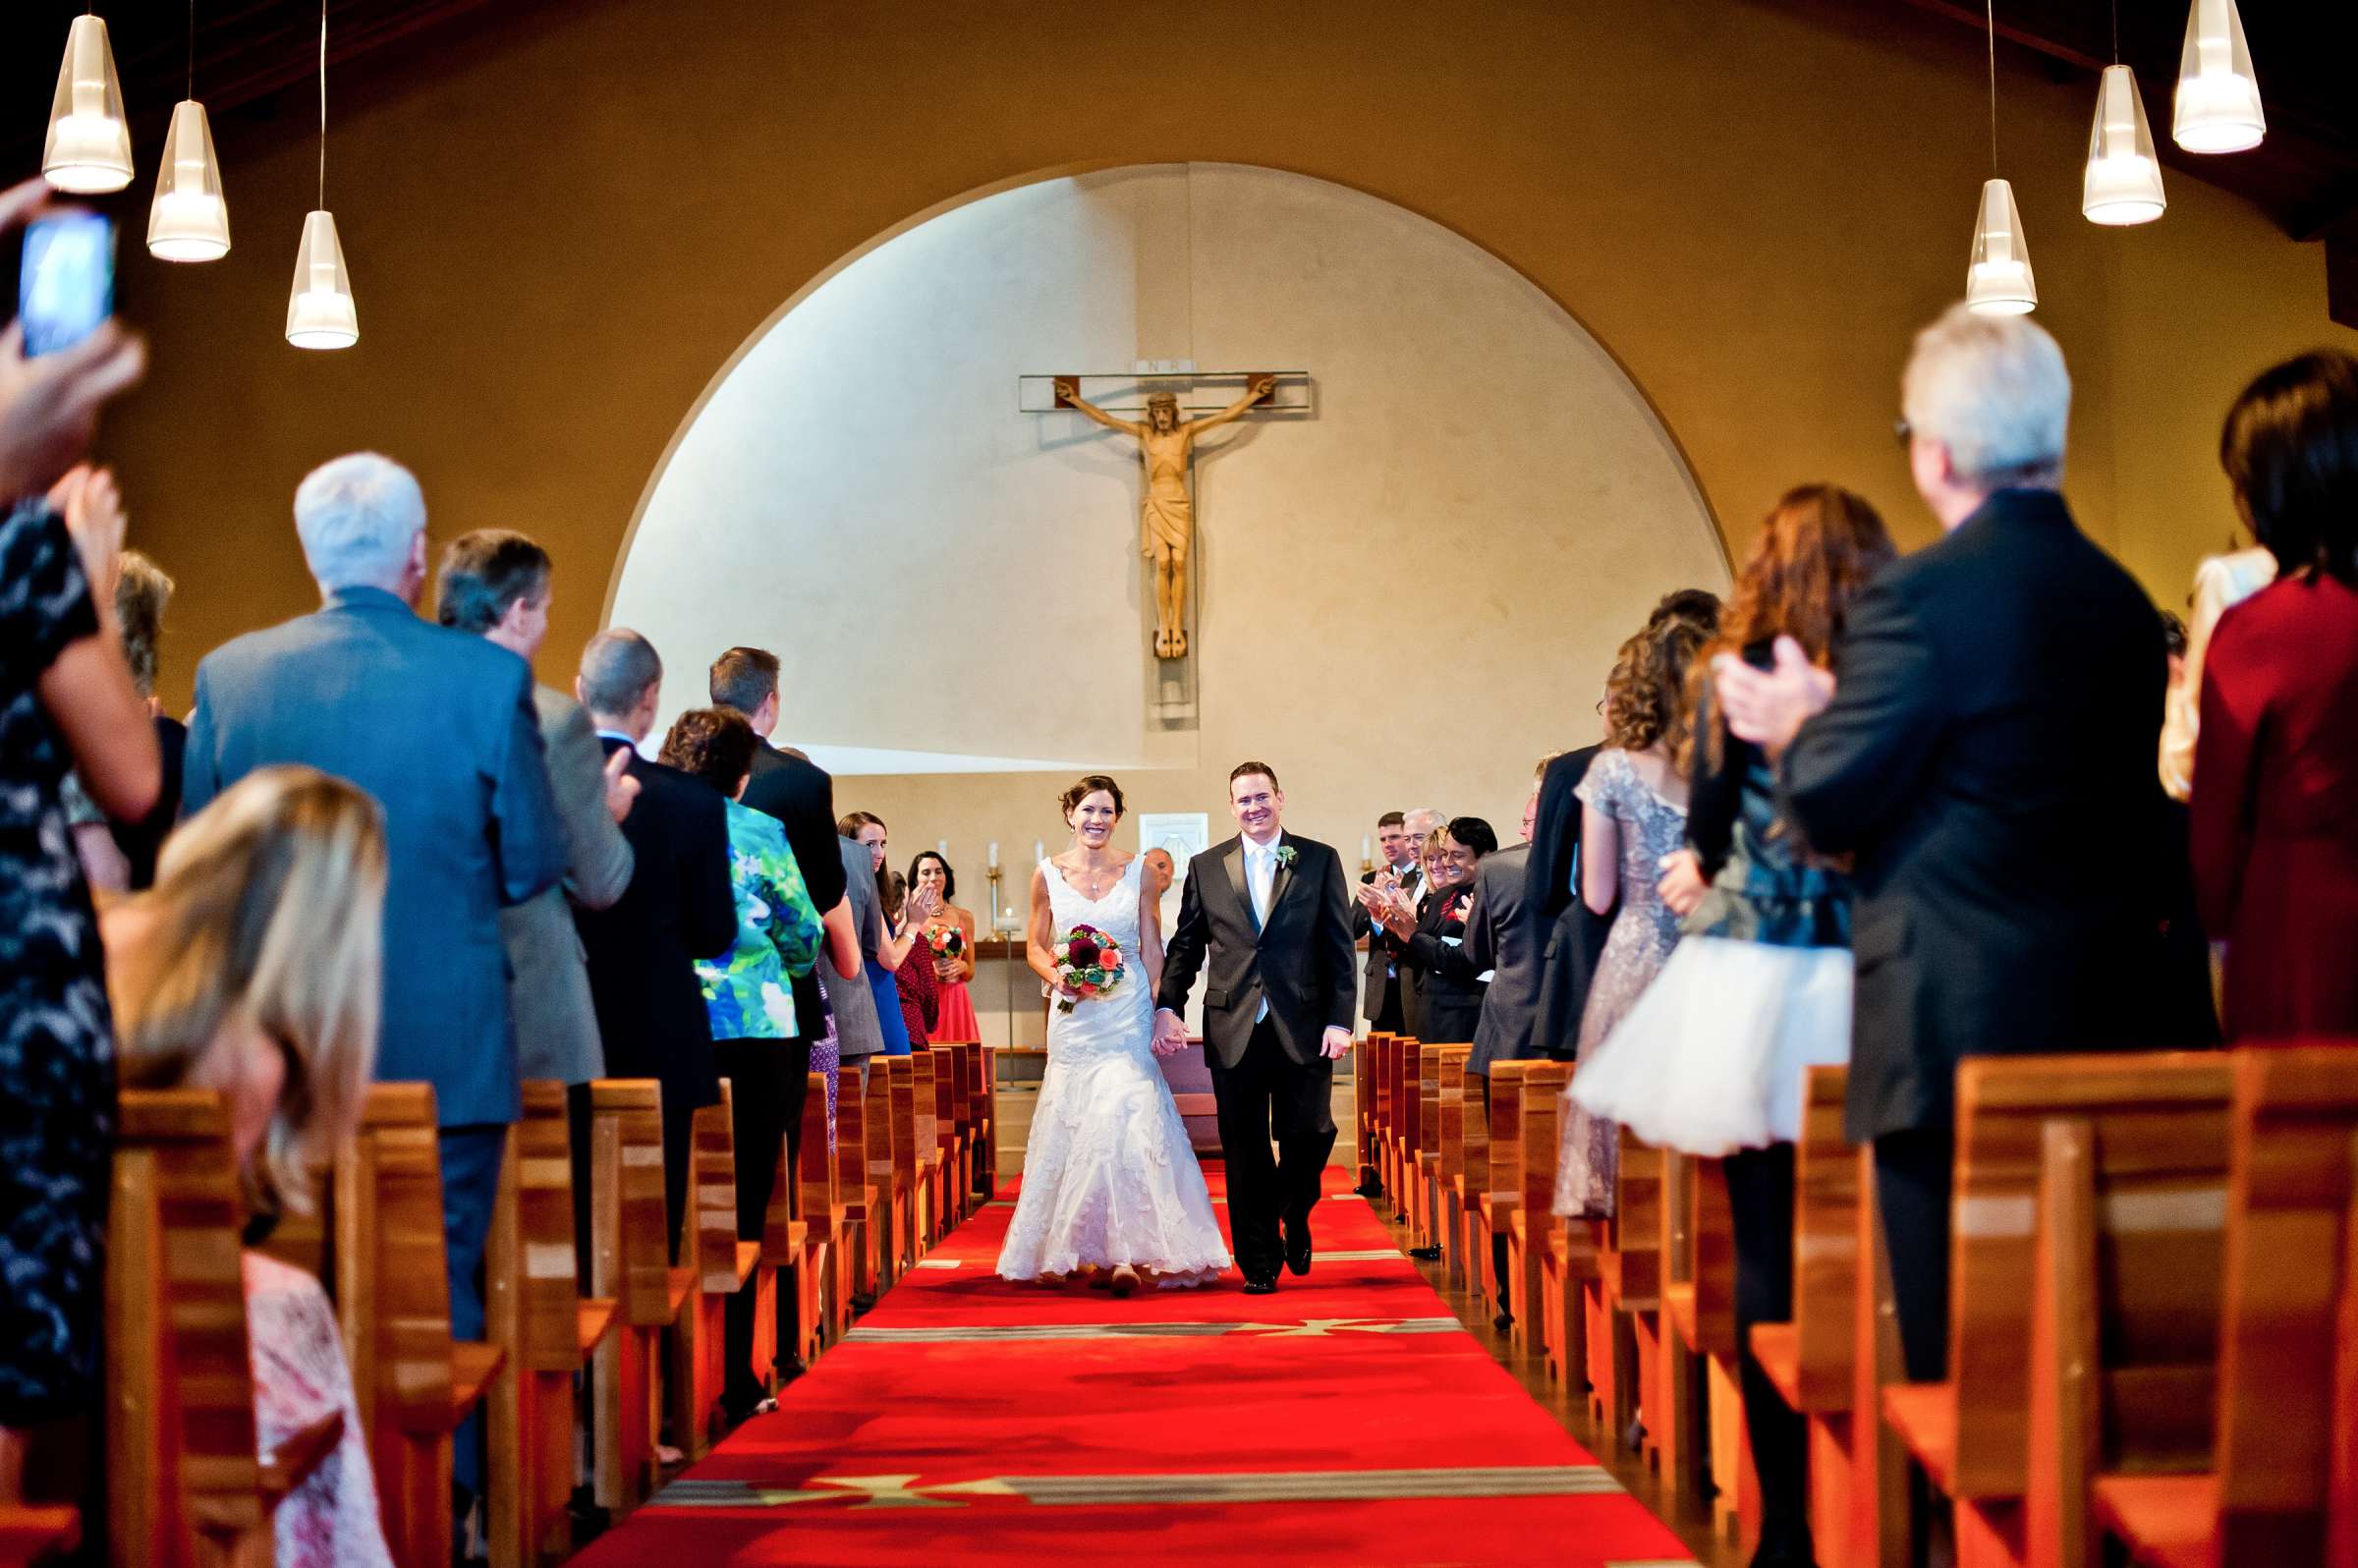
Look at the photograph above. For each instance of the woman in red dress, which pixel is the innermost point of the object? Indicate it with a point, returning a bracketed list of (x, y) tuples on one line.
[(953, 961), (2274, 809)]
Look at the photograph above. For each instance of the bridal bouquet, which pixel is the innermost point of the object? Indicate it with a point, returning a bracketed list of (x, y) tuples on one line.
[(1088, 962), (947, 941)]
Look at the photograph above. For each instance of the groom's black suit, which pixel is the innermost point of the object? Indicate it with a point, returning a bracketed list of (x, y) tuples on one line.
[(1300, 964)]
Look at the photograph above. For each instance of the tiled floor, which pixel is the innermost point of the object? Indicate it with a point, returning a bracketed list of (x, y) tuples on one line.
[(1689, 1517)]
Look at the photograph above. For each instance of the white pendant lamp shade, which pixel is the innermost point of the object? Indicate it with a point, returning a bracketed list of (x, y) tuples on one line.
[(89, 150), (1998, 280), (2218, 97), (320, 313), (188, 222), (2123, 182)]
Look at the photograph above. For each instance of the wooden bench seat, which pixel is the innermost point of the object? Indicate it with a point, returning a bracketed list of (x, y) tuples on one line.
[(31, 1533), (1448, 1162), (714, 1265), (822, 1307), (2168, 1521), (632, 1266), (1778, 1349)]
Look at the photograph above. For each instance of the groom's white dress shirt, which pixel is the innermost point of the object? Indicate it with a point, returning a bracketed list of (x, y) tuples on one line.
[(1261, 880)]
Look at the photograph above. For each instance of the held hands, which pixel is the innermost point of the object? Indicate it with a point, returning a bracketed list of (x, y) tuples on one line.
[(1170, 1032), (1769, 708), (1337, 1043), (1682, 885), (621, 788)]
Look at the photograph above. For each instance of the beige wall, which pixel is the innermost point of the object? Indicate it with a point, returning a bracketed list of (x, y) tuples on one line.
[(562, 225)]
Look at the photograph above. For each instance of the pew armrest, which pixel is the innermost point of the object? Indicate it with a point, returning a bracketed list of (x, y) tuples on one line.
[(2168, 1520), (597, 1322), (1778, 1349), (1678, 1305), (677, 1283), (291, 1463), (1925, 1418), (749, 1259), (472, 1366), (28, 1532)]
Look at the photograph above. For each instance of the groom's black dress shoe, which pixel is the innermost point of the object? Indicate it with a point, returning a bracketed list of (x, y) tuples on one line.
[(1297, 1247), (1260, 1284)]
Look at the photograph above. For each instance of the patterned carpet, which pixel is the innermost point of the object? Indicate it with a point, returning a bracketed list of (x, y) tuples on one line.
[(1348, 1419)]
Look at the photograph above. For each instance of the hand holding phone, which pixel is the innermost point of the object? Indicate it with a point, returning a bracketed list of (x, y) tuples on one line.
[(65, 288)]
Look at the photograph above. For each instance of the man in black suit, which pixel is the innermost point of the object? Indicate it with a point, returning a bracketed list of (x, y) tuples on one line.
[(1270, 913), (1397, 845), (679, 908), (1983, 747), (1572, 935)]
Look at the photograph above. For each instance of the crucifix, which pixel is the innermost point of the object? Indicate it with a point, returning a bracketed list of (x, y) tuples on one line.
[(1167, 514)]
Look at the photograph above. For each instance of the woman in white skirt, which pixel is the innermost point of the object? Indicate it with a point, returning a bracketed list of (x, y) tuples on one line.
[(1711, 1059)]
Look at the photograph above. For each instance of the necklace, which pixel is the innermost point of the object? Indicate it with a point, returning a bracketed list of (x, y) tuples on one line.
[(1089, 887)]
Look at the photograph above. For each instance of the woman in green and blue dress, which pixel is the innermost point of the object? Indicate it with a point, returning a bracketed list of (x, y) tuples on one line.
[(749, 994)]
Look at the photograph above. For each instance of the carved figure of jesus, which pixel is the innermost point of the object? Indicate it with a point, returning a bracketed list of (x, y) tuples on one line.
[(1166, 517)]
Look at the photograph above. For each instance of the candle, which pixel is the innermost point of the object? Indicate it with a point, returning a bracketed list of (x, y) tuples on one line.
[(1039, 851), (1367, 850), (941, 847), (994, 853)]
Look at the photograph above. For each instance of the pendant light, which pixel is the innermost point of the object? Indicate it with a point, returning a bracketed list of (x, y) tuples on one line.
[(1998, 277), (320, 313), (2218, 97), (189, 221), (2122, 184), (89, 150)]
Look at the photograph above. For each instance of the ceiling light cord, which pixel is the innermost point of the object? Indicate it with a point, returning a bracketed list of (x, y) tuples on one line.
[(1988, 11)]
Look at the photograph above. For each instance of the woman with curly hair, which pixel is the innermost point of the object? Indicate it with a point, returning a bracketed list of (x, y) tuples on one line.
[(1633, 816)]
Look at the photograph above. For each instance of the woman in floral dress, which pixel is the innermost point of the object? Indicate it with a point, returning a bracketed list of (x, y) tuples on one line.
[(749, 995), (1634, 816)]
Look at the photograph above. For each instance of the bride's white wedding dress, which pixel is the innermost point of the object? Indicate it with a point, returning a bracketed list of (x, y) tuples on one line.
[(1109, 1175)]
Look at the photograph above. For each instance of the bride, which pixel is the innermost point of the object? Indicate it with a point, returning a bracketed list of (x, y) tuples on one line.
[(1110, 1184)]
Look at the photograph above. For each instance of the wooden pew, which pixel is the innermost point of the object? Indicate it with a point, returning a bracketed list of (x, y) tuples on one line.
[(184, 1482), (908, 1163), (889, 1212), (1396, 1122), (2150, 1132), (823, 1306), (1409, 1106), (1700, 1301), (1531, 1222), (857, 1246), (717, 1265), (1449, 1158), (949, 1131), (1383, 1048), (1425, 1179), (34, 1533), (987, 1122), (1472, 1183), (414, 1384), (2274, 1478), (633, 1267), (932, 1222), (1812, 1360), (545, 1330), (1502, 1194), (1366, 1070)]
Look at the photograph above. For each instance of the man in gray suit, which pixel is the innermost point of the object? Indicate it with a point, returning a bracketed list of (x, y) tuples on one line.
[(439, 727), (1504, 937), (859, 1034)]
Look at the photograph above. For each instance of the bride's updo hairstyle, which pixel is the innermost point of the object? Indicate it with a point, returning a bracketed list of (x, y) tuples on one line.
[(1084, 787)]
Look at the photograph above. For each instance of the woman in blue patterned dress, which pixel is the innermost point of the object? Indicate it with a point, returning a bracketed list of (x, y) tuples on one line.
[(66, 701), (749, 994)]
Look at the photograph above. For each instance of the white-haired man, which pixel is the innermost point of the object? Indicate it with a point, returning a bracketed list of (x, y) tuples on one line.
[(439, 727), (1984, 745)]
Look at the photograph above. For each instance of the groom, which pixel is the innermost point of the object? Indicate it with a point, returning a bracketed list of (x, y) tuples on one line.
[(1272, 913)]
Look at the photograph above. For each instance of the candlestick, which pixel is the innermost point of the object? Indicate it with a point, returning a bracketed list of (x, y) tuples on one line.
[(994, 853)]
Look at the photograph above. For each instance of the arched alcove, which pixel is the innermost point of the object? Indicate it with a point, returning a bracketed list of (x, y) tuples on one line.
[(1480, 508)]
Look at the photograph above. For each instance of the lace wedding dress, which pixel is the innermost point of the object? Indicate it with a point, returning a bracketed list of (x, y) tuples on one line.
[(1109, 1175)]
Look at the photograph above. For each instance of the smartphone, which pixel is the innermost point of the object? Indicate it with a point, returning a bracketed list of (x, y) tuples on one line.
[(68, 285)]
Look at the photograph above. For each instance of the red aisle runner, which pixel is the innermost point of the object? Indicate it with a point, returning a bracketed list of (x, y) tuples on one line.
[(1348, 1419)]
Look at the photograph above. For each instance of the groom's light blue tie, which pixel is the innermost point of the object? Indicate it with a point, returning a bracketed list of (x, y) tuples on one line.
[(1261, 870)]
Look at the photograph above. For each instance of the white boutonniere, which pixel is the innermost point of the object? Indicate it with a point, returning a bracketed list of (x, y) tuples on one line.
[(1285, 857)]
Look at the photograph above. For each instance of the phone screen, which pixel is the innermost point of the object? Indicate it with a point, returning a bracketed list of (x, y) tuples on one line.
[(68, 285)]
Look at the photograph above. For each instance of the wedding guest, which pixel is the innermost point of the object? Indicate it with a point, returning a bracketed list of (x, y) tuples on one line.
[(787, 786), (252, 969), (1445, 991), (1983, 747), (2275, 778), (1504, 940), (1634, 812), (678, 907), (1397, 851), (66, 701), (2220, 582), (1576, 934), (439, 728), (749, 1004), (921, 993), (882, 945), (953, 960), (1711, 1060), (497, 585), (858, 1030), (119, 855), (1160, 870)]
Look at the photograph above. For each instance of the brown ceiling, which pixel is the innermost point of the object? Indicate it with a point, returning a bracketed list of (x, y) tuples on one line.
[(2304, 176)]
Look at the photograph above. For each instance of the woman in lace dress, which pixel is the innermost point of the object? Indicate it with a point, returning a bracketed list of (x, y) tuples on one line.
[(252, 968), (1110, 1186), (1633, 818)]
